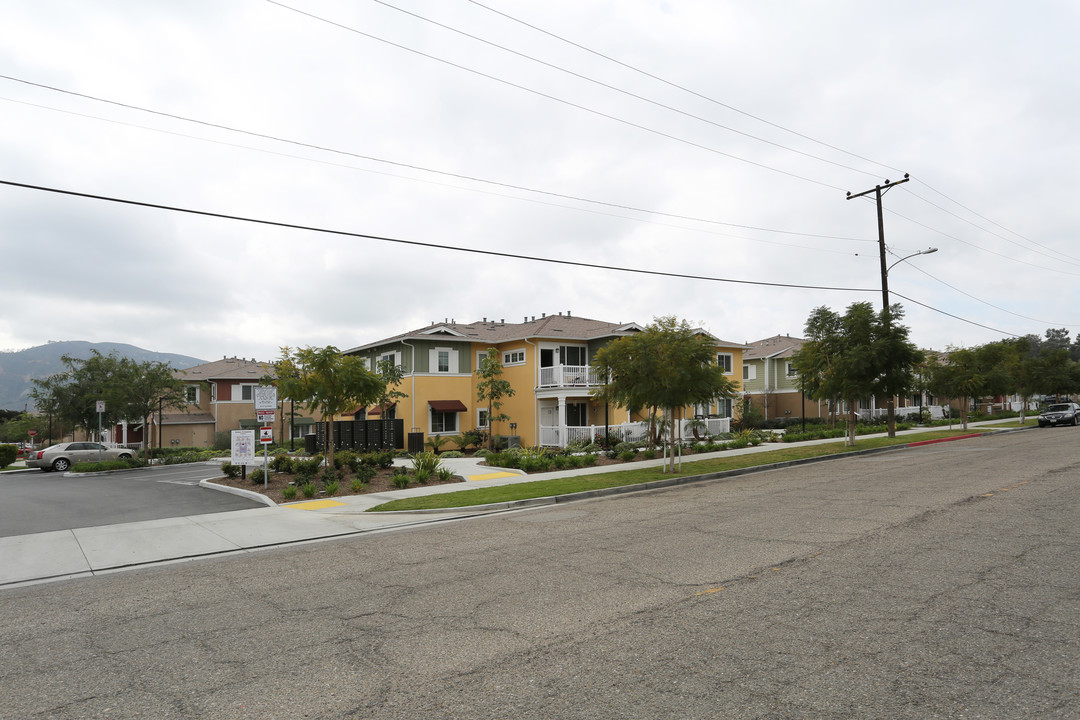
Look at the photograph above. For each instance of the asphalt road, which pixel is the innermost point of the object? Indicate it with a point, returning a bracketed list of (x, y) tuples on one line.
[(37, 501), (939, 582)]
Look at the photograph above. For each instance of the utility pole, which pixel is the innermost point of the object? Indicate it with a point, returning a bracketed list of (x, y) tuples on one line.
[(878, 191)]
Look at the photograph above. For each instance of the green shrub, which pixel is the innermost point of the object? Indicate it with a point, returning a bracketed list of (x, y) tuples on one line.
[(421, 476), (330, 475), (426, 461), (445, 474), (628, 455), (588, 460), (400, 479), (289, 492), (453, 454), (364, 473), (307, 467), (358, 485), (88, 467), (308, 489), (648, 455), (8, 453), (256, 476), (282, 464), (332, 487), (231, 470)]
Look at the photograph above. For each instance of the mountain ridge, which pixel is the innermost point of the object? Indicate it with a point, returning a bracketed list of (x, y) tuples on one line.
[(19, 367)]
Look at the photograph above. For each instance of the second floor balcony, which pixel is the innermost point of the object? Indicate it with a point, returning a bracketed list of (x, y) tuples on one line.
[(557, 376)]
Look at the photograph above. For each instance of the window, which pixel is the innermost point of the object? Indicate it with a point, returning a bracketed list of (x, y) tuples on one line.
[(749, 372), (574, 355), (576, 414), (442, 360), (443, 422), (481, 418), (394, 357), (247, 393), (514, 357), (726, 361), (791, 371), (191, 394), (723, 407)]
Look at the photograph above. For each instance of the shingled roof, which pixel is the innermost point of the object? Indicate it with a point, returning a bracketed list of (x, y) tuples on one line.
[(777, 346), (227, 369)]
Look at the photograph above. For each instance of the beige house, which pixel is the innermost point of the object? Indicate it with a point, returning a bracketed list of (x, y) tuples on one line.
[(220, 398)]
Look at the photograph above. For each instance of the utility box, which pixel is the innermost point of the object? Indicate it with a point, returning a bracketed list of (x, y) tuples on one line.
[(415, 442)]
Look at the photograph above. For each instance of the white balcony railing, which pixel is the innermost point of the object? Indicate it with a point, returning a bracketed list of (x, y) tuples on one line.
[(569, 376)]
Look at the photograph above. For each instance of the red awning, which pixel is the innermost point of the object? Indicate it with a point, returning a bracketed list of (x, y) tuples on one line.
[(378, 409), (447, 405)]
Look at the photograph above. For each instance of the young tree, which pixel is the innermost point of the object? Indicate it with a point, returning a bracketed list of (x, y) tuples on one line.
[(324, 380), (669, 365), (854, 355), (957, 376), (147, 387), (72, 394), (492, 388)]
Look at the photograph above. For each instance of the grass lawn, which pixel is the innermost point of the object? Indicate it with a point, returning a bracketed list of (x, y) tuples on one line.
[(581, 483)]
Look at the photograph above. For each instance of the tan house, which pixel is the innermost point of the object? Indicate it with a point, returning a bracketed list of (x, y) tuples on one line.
[(220, 398), (547, 361)]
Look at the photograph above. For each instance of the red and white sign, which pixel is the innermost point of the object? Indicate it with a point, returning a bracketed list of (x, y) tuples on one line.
[(266, 435), (33, 433), (266, 416)]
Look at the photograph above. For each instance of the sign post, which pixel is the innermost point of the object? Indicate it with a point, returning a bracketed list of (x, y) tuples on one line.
[(100, 410), (265, 407)]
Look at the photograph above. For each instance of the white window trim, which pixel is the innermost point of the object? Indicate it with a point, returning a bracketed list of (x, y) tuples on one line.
[(729, 364), (238, 393), (457, 423), (198, 394), (453, 363), (506, 361), (790, 371), (480, 425), (749, 372)]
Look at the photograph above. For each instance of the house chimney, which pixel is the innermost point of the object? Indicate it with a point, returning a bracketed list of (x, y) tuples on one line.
[(567, 313), (502, 321), (485, 319), (560, 313), (543, 315)]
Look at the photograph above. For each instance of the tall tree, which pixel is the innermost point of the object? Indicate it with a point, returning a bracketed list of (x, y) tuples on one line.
[(668, 365), (957, 376), (491, 388), (147, 387), (324, 380), (858, 354)]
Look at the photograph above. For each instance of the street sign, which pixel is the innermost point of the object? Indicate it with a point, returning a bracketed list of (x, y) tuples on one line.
[(100, 406), (266, 435), (266, 416), (33, 433), (243, 447), (265, 397)]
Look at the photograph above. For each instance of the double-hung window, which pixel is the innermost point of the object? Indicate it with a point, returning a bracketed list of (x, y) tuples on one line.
[(726, 361)]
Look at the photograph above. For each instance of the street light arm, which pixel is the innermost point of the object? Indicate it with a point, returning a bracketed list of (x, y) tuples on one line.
[(906, 257)]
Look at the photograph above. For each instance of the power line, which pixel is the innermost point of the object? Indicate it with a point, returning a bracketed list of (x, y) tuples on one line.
[(474, 251), (620, 90), (758, 119), (554, 98), (409, 166), (680, 87)]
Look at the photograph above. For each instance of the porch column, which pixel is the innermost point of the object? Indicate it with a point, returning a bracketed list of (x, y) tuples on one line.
[(560, 419)]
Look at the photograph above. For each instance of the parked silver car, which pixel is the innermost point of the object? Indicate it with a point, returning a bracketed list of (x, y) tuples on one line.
[(62, 456)]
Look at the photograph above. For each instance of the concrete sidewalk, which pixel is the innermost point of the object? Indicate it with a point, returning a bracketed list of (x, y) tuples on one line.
[(43, 557)]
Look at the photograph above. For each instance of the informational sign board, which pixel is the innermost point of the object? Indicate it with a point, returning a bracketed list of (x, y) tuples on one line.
[(266, 416), (243, 447), (266, 435), (265, 397), (100, 406)]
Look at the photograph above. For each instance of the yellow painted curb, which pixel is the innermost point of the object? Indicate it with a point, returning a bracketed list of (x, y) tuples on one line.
[(315, 505), (492, 476)]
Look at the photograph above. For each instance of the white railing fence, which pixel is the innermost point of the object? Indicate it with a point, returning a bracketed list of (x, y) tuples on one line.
[(556, 436), (569, 376)]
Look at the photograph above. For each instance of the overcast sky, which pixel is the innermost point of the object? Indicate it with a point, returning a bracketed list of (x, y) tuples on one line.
[(696, 138)]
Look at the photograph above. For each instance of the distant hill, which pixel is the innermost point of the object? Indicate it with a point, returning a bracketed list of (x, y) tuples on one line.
[(18, 368)]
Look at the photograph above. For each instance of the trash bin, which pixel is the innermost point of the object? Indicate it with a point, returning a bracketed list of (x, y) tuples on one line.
[(415, 442), (309, 443)]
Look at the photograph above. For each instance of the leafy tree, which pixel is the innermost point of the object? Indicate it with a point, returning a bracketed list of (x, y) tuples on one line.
[(147, 386), (957, 376), (390, 375), (492, 388), (669, 365), (854, 355), (324, 380)]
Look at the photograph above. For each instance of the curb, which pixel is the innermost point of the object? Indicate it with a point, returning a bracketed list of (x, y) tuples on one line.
[(249, 494), (688, 479)]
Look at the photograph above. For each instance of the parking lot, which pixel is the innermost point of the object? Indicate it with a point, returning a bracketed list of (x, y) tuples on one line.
[(36, 501)]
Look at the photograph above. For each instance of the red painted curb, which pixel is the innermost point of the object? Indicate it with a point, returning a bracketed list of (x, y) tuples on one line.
[(941, 440)]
